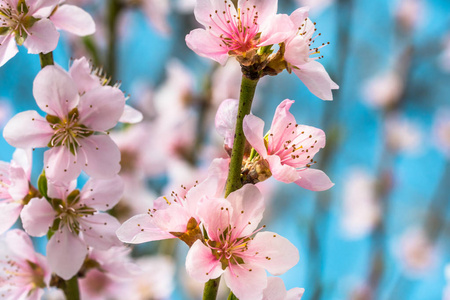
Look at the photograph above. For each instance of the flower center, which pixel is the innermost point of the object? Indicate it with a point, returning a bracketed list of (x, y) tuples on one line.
[(238, 31), (67, 132), (16, 19), (70, 211)]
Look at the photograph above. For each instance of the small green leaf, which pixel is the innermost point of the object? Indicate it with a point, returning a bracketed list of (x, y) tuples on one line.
[(20, 38), (73, 197), (42, 185)]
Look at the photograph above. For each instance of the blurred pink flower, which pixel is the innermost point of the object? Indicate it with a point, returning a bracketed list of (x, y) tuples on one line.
[(446, 291), (441, 130), (288, 148), (276, 290), (444, 58), (70, 127), (416, 252), (112, 275), (157, 12), (5, 111), (299, 48), (234, 246), (77, 221), (226, 120), (33, 24), (23, 273), (410, 13), (383, 90), (361, 210), (172, 215), (229, 31), (14, 187), (402, 134)]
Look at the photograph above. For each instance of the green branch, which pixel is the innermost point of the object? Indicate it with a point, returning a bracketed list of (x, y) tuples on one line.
[(46, 59)]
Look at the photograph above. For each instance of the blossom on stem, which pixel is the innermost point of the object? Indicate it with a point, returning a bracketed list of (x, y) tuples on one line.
[(77, 221), (288, 148), (234, 246), (34, 24), (14, 187), (23, 273), (74, 128), (175, 216), (236, 31), (298, 50)]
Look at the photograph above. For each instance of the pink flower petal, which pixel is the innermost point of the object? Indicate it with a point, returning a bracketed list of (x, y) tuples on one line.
[(41, 8), (204, 44), (140, 229), (73, 19), (275, 290), (295, 294), (172, 219), (37, 217), (254, 133), (20, 245), (61, 165), (215, 216), (55, 91), (102, 194), (297, 51), (43, 37), (9, 212), (81, 73), (316, 79), (23, 158), (248, 208), (280, 172), (28, 130), (277, 29), (19, 183), (131, 115), (99, 231), (8, 49), (102, 156), (101, 108), (265, 8), (282, 253), (299, 15), (246, 284), (201, 264), (226, 120), (314, 180), (66, 253), (281, 128)]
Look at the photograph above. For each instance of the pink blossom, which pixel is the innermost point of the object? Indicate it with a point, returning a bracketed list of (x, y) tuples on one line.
[(441, 130), (172, 214), (288, 148), (316, 6), (416, 252), (226, 120), (5, 111), (229, 31), (86, 77), (74, 129), (23, 273), (33, 24), (360, 204), (77, 221), (157, 12), (410, 13), (299, 48), (113, 273), (14, 187), (276, 290), (384, 97), (234, 246), (403, 135)]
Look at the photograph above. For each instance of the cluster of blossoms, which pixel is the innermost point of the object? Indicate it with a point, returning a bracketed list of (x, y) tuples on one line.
[(221, 227)]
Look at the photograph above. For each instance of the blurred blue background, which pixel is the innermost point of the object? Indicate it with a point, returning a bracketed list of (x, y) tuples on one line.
[(382, 232)]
